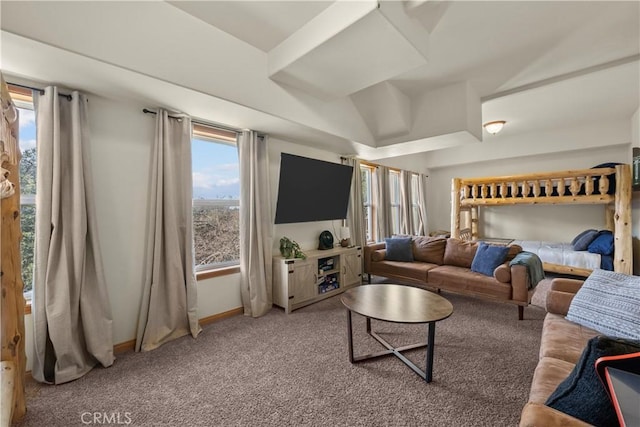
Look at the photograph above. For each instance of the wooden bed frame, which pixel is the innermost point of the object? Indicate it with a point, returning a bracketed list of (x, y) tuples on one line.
[(586, 186)]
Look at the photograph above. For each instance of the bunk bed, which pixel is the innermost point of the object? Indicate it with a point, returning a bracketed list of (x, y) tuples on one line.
[(607, 186)]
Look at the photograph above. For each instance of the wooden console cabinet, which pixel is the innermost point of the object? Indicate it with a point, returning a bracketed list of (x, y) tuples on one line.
[(299, 282)]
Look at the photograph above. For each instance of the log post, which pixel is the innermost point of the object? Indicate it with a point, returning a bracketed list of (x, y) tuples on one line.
[(474, 223), (455, 208), (623, 253), (12, 352)]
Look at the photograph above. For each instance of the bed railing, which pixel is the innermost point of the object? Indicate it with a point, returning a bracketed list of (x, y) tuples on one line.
[(588, 186), (585, 186)]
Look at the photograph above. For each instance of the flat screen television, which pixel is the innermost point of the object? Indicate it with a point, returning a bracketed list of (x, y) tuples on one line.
[(312, 190)]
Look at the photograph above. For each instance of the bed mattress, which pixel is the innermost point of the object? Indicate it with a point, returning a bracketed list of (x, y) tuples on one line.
[(560, 253)]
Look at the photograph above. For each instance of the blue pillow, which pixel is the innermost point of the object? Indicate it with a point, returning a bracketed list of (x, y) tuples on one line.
[(399, 249), (583, 241), (603, 244), (579, 236), (488, 258), (582, 394)]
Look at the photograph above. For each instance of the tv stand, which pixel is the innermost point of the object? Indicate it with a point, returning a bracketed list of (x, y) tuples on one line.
[(300, 282)]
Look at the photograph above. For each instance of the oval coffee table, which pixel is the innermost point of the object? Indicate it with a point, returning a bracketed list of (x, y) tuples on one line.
[(398, 304)]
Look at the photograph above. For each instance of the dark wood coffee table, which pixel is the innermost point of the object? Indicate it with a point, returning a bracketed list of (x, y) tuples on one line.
[(398, 304)]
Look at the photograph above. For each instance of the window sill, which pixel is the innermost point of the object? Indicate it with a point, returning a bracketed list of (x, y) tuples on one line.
[(223, 271)]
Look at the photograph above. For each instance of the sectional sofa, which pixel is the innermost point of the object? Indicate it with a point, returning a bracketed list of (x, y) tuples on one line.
[(445, 263)]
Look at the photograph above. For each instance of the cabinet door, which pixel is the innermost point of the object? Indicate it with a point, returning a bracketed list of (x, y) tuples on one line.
[(352, 268), (302, 281)]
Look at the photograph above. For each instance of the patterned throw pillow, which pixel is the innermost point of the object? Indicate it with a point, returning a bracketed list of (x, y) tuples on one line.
[(609, 303)]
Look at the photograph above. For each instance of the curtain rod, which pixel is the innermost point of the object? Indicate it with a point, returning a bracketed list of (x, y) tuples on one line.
[(41, 91), (203, 123), (376, 165)]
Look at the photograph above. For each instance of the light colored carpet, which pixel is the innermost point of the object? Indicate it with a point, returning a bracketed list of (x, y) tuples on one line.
[(294, 370)]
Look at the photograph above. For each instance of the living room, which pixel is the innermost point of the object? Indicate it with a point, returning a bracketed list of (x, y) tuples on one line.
[(537, 70)]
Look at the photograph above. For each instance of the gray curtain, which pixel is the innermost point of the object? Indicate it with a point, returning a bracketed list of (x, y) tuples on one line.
[(423, 228), (355, 214), (71, 310), (169, 304), (256, 225), (406, 217), (382, 203)]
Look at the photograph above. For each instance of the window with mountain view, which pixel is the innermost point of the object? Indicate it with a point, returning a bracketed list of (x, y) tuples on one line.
[(216, 198)]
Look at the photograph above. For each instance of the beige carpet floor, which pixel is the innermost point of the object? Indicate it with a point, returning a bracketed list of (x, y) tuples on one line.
[(293, 370)]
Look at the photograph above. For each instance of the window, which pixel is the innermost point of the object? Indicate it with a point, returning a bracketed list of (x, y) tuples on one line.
[(366, 173), (216, 198), (394, 200), (415, 203), (28, 164)]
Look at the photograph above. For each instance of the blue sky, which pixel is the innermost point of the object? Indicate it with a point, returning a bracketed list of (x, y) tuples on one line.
[(27, 129), (215, 170), (215, 166)]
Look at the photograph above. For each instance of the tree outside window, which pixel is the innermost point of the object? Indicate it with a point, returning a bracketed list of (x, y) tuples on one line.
[(216, 203)]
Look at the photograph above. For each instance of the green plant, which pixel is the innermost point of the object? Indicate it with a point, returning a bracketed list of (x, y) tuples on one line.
[(291, 249)]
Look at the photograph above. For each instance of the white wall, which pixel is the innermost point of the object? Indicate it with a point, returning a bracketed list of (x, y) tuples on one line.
[(552, 223)]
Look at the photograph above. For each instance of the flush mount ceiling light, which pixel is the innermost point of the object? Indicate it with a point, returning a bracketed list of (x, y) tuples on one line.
[(494, 127)]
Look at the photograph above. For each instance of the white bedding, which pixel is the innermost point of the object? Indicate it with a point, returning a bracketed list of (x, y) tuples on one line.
[(560, 253)]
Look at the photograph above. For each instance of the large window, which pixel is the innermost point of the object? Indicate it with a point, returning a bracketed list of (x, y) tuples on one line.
[(415, 203), (366, 173), (28, 163), (216, 198), (394, 199)]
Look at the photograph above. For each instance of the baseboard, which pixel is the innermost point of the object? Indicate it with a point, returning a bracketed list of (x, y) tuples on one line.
[(131, 344), (214, 318)]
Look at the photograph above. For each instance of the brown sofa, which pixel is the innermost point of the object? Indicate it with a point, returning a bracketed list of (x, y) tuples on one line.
[(445, 263), (560, 348)]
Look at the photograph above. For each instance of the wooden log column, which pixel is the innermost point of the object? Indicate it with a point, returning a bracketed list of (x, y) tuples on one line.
[(623, 253), (12, 353), (455, 208)]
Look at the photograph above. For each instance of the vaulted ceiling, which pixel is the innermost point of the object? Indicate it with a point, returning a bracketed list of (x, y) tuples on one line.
[(375, 78)]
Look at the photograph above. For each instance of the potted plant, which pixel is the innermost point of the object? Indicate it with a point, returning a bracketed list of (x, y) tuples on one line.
[(291, 249)]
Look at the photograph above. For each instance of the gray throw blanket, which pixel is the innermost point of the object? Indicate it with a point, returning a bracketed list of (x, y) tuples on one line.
[(533, 264)]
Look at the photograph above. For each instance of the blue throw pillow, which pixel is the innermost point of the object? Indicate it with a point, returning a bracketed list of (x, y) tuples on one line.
[(399, 249), (488, 258), (603, 244), (583, 241), (582, 394), (579, 236)]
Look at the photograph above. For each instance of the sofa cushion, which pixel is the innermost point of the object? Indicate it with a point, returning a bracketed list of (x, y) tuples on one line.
[(609, 303), (399, 249), (429, 249), (513, 251), (459, 253), (378, 255), (562, 339), (415, 271), (464, 280), (582, 394), (488, 258), (548, 374)]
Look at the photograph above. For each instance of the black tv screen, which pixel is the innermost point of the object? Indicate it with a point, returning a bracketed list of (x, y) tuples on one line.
[(312, 190)]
